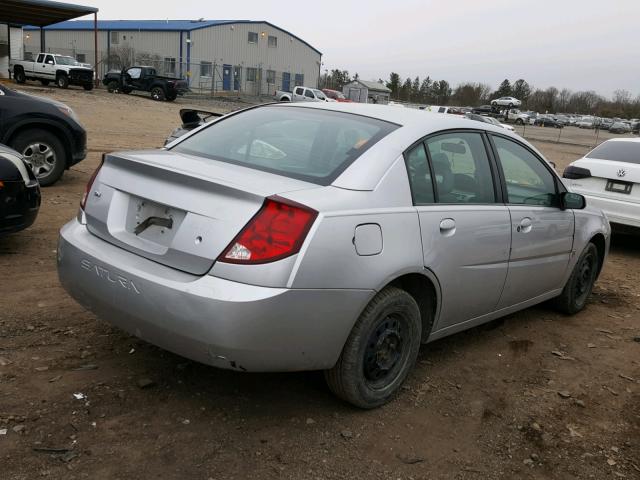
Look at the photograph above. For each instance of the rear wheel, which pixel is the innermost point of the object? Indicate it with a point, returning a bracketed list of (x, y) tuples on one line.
[(113, 86), (519, 121), (171, 97), (44, 153), (580, 284), (88, 86), (62, 81), (380, 351), (157, 93), (44, 82), (19, 76)]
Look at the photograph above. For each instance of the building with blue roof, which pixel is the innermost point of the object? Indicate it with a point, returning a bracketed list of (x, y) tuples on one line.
[(234, 56)]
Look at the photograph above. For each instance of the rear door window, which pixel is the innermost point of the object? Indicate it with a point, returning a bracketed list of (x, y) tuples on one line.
[(628, 152), (420, 175), (461, 168), (308, 144)]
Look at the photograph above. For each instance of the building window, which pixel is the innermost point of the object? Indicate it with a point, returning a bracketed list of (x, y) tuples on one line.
[(271, 76), (206, 69), (169, 65), (81, 57), (115, 38), (273, 41), (299, 79), (252, 74), (253, 37)]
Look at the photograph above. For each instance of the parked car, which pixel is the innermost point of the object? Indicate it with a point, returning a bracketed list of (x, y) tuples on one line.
[(336, 95), (191, 119), (50, 67), (506, 102), (620, 127), (289, 237), (516, 116), (545, 121), (47, 133), (483, 109), (609, 177), (490, 120), (145, 79), (19, 192), (301, 94), (586, 122)]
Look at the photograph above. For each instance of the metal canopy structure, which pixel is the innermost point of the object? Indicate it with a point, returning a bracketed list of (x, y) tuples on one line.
[(40, 13)]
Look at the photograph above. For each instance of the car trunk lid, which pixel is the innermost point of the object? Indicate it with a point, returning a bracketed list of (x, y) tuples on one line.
[(176, 209), (609, 179)]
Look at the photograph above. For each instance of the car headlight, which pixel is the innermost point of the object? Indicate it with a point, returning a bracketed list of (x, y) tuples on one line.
[(68, 112)]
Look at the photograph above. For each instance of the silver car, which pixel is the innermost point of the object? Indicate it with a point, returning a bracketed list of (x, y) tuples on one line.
[(328, 236)]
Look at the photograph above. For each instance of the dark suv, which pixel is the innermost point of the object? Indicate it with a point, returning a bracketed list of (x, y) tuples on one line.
[(47, 133)]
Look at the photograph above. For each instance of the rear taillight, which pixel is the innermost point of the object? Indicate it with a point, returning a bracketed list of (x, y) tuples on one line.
[(277, 231), (87, 189), (574, 173)]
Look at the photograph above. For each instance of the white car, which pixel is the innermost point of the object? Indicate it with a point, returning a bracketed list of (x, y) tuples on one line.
[(609, 177), (506, 102)]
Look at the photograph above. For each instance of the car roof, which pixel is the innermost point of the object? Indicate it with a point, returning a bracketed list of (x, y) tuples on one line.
[(406, 117), (626, 139)]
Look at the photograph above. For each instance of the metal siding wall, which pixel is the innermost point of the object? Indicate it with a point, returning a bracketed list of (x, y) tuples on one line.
[(17, 48), (224, 45)]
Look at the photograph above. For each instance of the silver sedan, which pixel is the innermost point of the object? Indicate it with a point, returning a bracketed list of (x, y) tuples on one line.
[(330, 236)]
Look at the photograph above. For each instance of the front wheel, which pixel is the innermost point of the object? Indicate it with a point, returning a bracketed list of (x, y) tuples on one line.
[(157, 93), (43, 152), (519, 121), (380, 351), (88, 86), (580, 284), (62, 81)]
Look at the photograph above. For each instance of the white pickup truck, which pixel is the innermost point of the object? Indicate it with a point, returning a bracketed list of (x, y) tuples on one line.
[(50, 67), (301, 94)]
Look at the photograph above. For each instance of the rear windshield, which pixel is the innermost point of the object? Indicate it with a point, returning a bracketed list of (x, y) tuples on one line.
[(617, 151), (308, 144)]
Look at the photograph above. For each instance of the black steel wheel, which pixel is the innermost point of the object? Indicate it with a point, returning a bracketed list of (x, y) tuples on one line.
[(19, 76), (157, 93), (580, 284), (379, 352)]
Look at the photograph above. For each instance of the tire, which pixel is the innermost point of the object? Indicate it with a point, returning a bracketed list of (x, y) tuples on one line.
[(171, 97), (113, 86), (510, 106), (494, 104), (88, 86), (126, 91), (379, 352), (62, 81), (576, 292), (157, 93), (44, 82), (519, 121), (50, 160), (19, 76), (284, 99)]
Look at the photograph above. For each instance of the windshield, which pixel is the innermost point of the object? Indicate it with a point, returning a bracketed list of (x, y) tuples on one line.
[(304, 143), (320, 95), (628, 152), (60, 60)]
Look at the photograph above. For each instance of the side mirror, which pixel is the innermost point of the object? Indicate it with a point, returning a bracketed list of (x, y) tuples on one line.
[(572, 201)]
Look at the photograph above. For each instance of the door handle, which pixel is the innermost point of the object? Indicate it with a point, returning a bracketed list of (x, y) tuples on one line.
[(447, 227), (525, 225)]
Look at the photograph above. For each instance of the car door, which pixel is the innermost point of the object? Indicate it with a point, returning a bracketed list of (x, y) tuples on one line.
[(466, 230), (133, 77), (542, 233), (298, 94), (49, 67)]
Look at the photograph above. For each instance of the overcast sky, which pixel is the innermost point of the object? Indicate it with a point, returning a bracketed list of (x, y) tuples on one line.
[(578, 44)]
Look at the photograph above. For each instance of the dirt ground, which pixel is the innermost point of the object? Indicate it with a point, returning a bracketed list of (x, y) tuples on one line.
[(535, 396)]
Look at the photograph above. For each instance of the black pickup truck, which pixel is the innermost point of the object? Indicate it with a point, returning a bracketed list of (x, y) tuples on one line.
[(147, 80)]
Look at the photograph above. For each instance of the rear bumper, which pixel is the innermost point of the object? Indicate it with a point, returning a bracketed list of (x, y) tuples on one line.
[(205, 318), (624, 213)]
